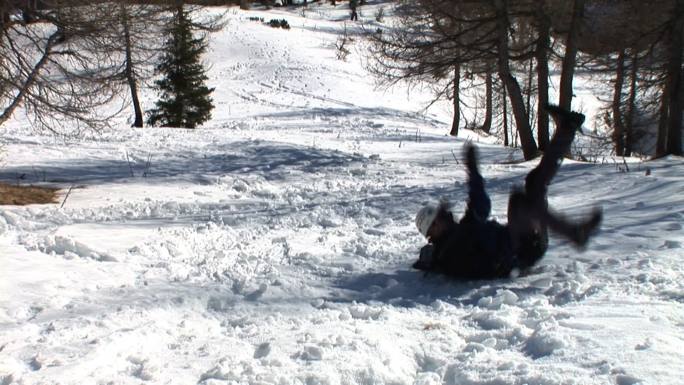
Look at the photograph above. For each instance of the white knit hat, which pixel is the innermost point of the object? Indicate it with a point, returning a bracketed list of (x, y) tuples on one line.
[(426, 215)]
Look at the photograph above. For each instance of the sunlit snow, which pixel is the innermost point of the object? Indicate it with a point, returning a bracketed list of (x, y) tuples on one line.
[(274, 245)]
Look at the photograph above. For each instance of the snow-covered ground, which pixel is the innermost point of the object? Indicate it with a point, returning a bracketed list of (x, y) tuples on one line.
[(274, 245)]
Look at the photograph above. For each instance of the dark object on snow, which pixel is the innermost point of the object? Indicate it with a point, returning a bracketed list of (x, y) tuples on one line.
[(353, 4), (279, 23), (478, 248)]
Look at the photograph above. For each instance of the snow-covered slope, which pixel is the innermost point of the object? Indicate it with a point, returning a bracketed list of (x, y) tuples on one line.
[(274, 245)]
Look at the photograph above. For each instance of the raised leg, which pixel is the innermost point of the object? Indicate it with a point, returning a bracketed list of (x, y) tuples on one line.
[(529, 216), (577, 232), (567, 124), (528, 231)]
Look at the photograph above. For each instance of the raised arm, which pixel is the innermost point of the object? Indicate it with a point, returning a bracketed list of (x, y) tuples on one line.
[(479, 204)]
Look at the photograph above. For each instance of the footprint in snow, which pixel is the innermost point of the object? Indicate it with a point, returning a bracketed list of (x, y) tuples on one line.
[(645, 345), (140, 369), (35, 364), (625, 379), (27, 313), (262, 350), (310, 353), (258, 293), (672, 227), (671, 245)]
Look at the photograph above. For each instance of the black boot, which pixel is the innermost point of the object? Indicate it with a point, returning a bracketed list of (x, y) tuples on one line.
[(565, 119), (577, 232), (583, 231)]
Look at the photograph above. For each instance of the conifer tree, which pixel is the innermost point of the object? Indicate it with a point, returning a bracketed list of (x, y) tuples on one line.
[(185, 99)]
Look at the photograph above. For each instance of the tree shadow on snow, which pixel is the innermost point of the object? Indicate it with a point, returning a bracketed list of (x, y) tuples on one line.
[(349, 110), (272, 161)]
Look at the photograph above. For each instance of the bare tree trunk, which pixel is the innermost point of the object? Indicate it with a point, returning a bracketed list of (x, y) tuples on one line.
[(528, 93), (570, 58), (529, 146), (129, 72), (674, 79), (543, 44), (505, 116), (631, 107), (4, 18), (618, 126), (456, 100), (32, 77), (661, 142), (487, 124)]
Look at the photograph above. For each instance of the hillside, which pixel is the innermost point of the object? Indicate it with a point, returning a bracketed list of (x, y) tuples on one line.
[(274, 245)]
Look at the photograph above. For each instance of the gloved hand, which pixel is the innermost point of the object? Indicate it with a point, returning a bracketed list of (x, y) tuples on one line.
[(479, 205), (425, 261)]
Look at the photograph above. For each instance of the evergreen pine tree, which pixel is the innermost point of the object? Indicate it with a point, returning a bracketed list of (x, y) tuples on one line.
[(185, 99)]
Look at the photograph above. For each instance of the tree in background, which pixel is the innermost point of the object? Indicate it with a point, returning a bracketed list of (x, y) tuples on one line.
[(137, 36), (70, 65), (520, 113), (51, 67), (435, 41), (637, 44), (542, 49), (425, 46), (185, 99), (569, 61), (674, 88)]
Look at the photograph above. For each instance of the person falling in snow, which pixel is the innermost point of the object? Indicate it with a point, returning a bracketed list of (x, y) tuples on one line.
[(478, 248), (353, 4)]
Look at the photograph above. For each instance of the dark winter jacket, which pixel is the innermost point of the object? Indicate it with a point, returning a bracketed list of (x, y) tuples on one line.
[(474, 247)]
